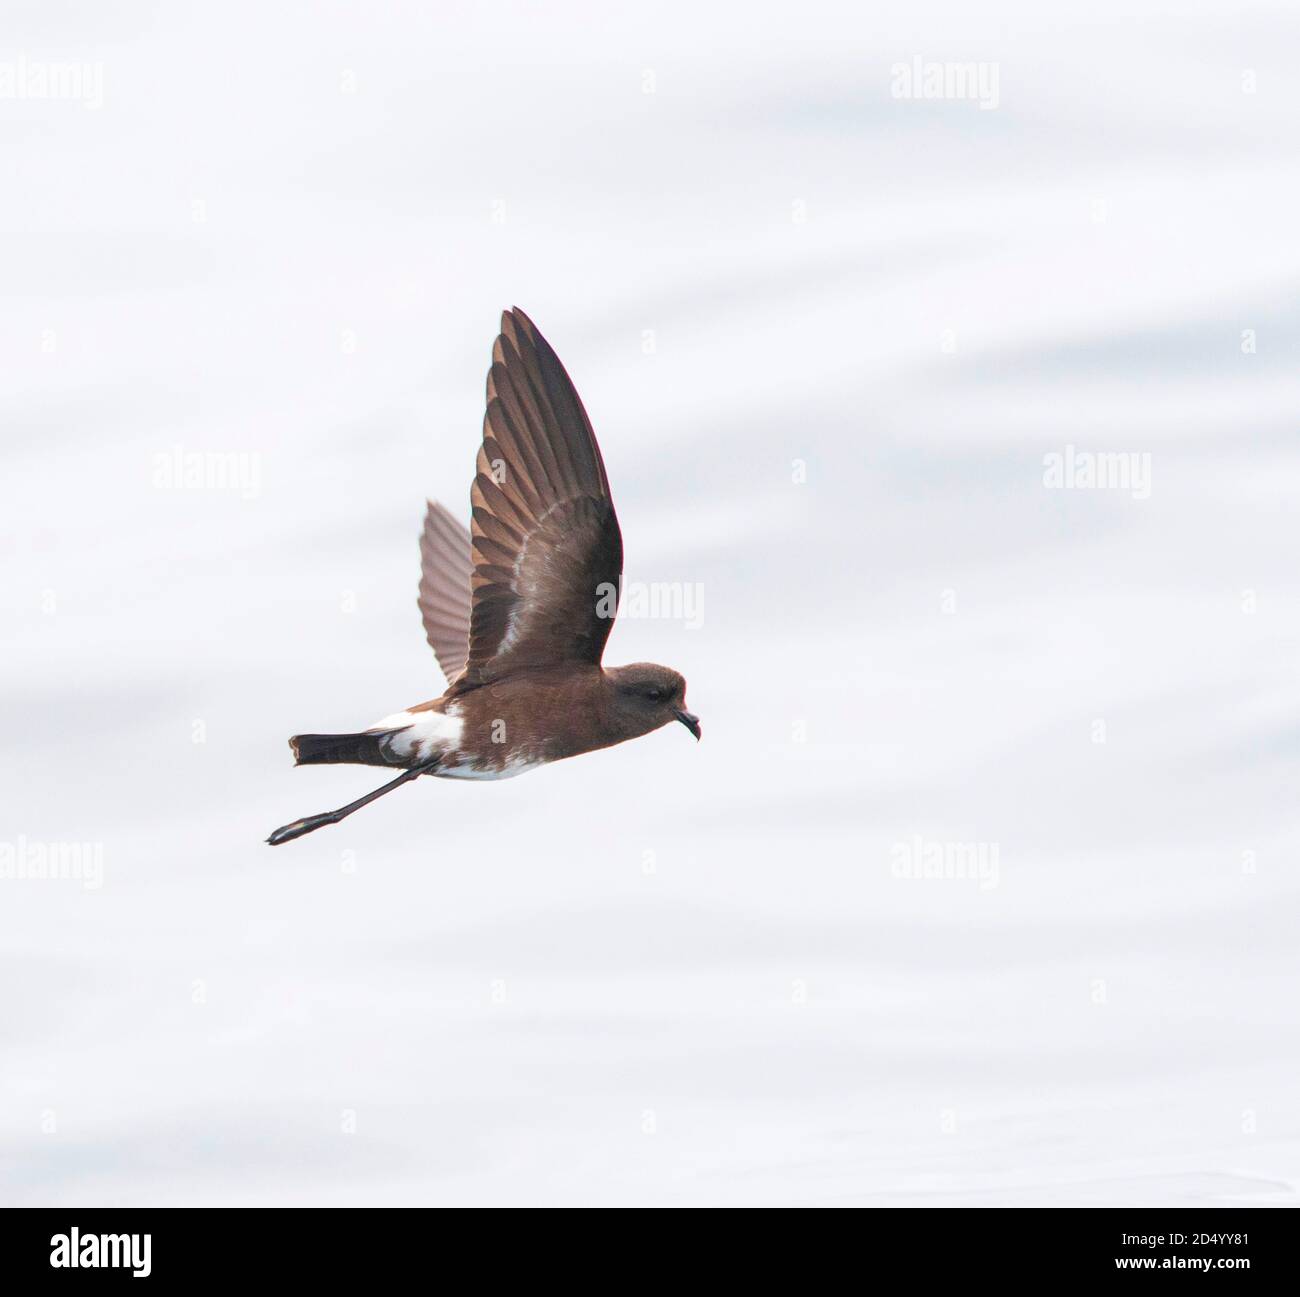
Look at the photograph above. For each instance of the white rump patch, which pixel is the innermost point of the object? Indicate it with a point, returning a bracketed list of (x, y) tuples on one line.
[(424, 734)]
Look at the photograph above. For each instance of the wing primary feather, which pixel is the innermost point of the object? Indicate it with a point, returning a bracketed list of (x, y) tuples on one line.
[(544, 536)]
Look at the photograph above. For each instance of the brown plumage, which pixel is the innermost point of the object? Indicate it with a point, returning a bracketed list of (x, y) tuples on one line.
[(445, 566), (518, 609)]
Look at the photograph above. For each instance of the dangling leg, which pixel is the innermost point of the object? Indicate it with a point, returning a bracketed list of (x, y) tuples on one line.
[(311, 823)]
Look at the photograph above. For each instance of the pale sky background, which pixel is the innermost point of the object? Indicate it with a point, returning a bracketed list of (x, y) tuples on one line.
[(668, 973)]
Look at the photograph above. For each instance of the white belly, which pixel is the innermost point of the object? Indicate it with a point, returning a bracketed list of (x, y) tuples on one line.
[(464, 770)]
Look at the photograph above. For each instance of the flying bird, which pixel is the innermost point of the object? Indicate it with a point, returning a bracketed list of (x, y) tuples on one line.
[(518, 608)]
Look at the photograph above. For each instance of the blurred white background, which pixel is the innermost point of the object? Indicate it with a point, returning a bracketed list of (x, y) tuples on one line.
[(666, 973)]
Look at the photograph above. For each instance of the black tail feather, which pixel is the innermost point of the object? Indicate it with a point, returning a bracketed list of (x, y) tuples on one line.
[(365, 749)]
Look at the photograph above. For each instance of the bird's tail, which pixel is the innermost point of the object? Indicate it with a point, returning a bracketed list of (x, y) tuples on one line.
[(369, 748)]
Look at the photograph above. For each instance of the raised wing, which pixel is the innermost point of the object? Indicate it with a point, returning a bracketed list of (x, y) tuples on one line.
[(445, 567), (545, 542)]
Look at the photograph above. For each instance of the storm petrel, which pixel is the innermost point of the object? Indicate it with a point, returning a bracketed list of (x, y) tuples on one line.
[(517, 609)]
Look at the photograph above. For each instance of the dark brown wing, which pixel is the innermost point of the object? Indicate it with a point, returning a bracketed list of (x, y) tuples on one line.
[(547, 551), (445, 567)]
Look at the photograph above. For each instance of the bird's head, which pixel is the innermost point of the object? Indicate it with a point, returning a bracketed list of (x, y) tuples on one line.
[(646, 697)]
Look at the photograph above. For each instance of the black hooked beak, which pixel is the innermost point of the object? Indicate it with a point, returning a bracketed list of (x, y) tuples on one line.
[(692, 723)]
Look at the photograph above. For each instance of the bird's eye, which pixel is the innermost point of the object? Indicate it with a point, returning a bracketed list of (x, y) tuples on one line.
[(654, 694)]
